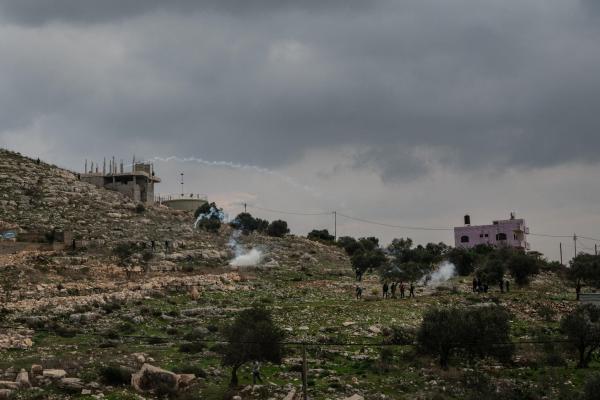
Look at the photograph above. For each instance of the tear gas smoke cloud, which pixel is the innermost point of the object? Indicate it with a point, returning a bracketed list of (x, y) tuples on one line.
[(444, 272), (242, 258), (213, 213), (250, 259)]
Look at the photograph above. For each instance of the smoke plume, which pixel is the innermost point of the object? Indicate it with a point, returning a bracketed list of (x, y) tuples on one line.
[(444, 272), (228, 164), (243, 258)]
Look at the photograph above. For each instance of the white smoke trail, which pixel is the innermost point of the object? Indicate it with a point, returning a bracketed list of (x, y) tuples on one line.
[(444, 272), (233, 165), (213, 213)]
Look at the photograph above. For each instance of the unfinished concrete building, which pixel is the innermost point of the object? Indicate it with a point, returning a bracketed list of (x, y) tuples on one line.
[(137, 184)]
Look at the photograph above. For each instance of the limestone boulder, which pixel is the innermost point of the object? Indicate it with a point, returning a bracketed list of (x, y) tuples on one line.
[(36, 370), (10, 385), (186, 380), (54, 373), (71, 384), (23, 380), (149, 378)]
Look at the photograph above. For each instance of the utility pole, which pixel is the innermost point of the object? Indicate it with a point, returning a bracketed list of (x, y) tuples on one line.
[(596, 249), (245, 205), (561, 258), (304, 374), (335, 225), (575, 243), (182, 184)]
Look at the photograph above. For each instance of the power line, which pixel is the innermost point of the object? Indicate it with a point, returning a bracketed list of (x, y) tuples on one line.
[(420, 228), (290, 212), (406, 227), (551, 236), (589, 238)]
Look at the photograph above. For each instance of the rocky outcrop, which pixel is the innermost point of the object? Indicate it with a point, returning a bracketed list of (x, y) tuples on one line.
[(23, 379), (54, 374), (150, 378)]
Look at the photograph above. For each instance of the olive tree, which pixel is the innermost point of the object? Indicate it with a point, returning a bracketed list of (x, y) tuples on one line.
[(585, 270), (582, 328), (252, 336), (475, 332)]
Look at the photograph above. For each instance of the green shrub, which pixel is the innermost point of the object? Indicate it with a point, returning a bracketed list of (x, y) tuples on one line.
[(191, 347), (190, 369), (210, 225), (399, 335), (126, 327), (591, 389), (115, 375), (278, 228), (476, 331), (195, 334), (321, 235), (247, 223)]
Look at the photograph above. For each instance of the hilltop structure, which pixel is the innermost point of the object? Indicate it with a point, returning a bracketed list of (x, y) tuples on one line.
[(137, 184), (183, 202), (509, 233)]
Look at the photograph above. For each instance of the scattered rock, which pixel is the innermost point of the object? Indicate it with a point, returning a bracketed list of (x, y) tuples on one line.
[(149, 377), (54, 373), (72, 384), (23, 380), (36, 370), (186, 379), (9, 385), (375, 329), (291, 395), (355, 397)]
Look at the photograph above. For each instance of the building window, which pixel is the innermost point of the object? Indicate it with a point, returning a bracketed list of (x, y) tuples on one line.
[(515, 236), (464, 239), (501, 236), (486, 235), (481, 235)]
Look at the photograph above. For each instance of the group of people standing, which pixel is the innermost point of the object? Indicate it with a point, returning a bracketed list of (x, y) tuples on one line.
[(483, 287), (389, 291)]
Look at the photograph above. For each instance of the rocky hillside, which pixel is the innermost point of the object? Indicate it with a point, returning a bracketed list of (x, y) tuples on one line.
[(38, 198)]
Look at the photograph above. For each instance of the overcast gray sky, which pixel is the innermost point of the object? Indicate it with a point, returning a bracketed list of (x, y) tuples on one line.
[(408, 112)]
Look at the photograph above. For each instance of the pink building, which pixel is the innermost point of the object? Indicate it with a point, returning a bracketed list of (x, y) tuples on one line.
[(509, 232)]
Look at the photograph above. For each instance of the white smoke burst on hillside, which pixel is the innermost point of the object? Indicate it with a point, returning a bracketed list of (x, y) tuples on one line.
[(243, 258), (250, 259), (443, 273)]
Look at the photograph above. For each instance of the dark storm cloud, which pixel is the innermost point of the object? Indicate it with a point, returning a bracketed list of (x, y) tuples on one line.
[(37, 12), (461, 84)]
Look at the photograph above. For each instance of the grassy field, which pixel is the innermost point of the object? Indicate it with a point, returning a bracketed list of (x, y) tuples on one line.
[(343, 337)]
